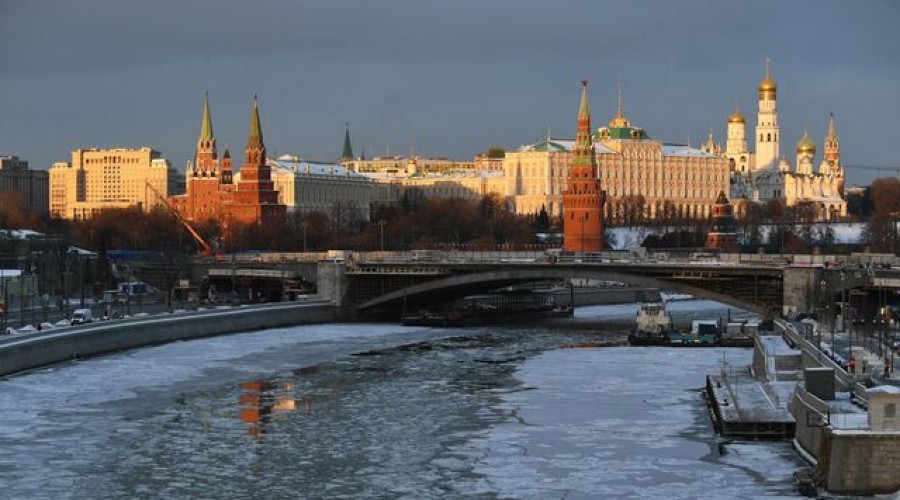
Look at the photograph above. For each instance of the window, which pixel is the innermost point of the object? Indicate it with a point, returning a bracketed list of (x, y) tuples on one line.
[(890, 410)]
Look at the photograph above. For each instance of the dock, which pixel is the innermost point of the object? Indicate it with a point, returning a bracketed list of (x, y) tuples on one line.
[(741, 407)]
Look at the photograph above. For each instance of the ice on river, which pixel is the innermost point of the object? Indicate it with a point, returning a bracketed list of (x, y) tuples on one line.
[(622, 423)]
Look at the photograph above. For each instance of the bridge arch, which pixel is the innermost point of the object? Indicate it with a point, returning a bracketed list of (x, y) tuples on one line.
[(458, 286)]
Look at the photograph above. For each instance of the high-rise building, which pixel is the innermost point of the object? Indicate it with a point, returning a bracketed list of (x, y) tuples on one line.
[(29, 189), (98, 179), (583, 198)]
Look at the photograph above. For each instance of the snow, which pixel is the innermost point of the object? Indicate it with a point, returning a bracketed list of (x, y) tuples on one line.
[(775, 345)]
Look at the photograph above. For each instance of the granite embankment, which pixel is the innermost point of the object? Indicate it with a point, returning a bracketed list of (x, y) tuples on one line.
[(19, 353)]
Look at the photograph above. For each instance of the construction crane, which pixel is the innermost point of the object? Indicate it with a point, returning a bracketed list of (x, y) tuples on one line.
[(205, 249)]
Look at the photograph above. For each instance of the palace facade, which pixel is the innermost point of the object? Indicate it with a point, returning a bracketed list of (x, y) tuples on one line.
[(644, 179)]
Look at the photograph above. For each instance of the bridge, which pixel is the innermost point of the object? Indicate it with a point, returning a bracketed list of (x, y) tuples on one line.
[(381, 284), (376, 283)]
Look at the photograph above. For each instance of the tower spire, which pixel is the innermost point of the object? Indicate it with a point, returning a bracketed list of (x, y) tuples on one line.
[(348, 149), (255, 138), (206, 130), (832, 132), (620, 114), (584, 110)]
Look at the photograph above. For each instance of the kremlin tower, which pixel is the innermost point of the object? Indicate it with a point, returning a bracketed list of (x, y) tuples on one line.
[(583, 198), (722, 235), (211, 193), (255, 198)]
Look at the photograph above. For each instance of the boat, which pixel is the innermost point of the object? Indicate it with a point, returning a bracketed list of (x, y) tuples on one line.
[(653, 325)]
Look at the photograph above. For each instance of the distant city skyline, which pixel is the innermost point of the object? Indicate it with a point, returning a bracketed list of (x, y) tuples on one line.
[(442, 79)]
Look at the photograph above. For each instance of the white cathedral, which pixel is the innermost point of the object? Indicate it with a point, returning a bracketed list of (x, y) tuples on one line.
[(764, 175)]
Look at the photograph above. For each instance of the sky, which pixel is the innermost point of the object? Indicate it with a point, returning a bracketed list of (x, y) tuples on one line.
[(439, 78)]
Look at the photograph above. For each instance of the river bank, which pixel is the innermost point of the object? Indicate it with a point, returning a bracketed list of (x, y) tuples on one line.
[(25, 352)]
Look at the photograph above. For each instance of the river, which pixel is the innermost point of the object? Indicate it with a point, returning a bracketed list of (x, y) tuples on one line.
[(555, 410)]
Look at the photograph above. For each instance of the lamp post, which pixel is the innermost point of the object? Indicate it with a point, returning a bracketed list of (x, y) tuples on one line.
[(381, 224)]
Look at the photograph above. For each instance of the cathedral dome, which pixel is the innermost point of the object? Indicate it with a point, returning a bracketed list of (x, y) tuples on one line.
[(767, 86), (806, 145), (736, 117)]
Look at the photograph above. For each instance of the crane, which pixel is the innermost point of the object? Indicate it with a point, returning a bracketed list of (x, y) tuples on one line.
[(205, 249)]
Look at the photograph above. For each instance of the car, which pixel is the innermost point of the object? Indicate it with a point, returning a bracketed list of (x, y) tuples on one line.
[(81, 316)]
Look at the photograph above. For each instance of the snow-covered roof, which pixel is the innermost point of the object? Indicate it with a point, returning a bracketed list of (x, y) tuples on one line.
[(683, 150), (569, 145), (561, 145), (289, 163), (884, 389)]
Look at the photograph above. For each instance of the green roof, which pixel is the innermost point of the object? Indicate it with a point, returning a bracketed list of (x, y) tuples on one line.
[(626, 133)]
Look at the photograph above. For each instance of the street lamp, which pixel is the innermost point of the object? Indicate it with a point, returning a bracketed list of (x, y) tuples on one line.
[(381, 224)]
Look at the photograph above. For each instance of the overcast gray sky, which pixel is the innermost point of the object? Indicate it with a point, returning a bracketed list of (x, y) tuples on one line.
[(448, 78)]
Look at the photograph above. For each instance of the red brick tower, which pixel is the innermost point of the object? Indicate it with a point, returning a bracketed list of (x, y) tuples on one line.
[(583, 199), (255, 198), (202, 199), (722, 234)]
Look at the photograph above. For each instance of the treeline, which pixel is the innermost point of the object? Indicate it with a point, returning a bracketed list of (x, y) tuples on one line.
[(413, 223)]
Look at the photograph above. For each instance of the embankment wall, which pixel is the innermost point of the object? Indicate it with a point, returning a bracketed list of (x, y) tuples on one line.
[(36, 350)]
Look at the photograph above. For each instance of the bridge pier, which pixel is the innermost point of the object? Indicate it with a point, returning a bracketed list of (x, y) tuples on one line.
[(332, 284), (802, 289)]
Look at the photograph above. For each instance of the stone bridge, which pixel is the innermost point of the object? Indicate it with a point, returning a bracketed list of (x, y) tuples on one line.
[(379, 284), (373, 284)]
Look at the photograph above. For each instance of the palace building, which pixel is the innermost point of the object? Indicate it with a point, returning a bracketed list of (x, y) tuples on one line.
[(644, 179), (214, 192)]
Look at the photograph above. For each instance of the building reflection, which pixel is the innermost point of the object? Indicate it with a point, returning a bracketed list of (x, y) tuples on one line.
[(260, 402)]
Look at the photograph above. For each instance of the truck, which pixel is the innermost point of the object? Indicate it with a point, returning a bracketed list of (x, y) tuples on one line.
[(81, 316)]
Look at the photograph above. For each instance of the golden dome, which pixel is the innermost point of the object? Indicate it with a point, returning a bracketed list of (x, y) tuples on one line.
[(736, 117), (767, 85), (806, 145)]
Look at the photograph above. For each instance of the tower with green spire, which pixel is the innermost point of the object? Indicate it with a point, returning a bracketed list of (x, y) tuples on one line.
[(583, 199), (347, 154), (205, 160)]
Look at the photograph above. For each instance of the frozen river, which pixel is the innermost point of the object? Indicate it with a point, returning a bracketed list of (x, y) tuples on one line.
[(382, 411)]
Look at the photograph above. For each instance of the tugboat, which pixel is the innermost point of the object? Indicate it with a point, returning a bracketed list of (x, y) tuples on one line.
[(654, 325)]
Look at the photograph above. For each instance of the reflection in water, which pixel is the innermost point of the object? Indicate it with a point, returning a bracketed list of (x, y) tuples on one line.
[(258, 400)]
